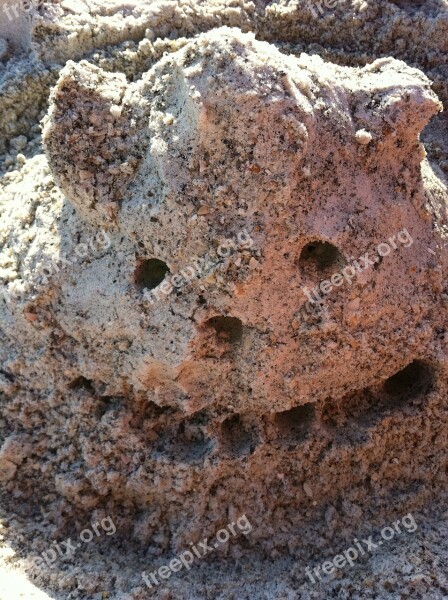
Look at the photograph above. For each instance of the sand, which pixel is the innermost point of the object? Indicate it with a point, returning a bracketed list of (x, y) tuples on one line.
[(223, 300)]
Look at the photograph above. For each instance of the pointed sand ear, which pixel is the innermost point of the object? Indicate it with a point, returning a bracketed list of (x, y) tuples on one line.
[(402, 101), (91, 139)]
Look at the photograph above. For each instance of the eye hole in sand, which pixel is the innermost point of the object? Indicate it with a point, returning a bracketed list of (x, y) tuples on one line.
[(150, 273), (319, 258), (294, 424), (228, 329), (236, 438), (411, 382)]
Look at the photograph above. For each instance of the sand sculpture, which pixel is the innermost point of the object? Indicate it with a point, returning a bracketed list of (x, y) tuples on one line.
[(246, 311)]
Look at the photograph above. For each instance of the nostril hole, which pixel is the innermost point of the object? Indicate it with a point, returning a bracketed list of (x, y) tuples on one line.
[(229, 329), (294, 424), (237, 439), (320, 257), (150, 273), (411, 382)]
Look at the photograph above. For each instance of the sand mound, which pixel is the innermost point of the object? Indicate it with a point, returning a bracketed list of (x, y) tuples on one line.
[(223, 303)]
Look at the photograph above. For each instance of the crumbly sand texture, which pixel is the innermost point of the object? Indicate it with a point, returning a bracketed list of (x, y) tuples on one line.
[(195, 140)]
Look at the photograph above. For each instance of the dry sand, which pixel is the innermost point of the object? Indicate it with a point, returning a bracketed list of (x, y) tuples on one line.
[(177, 179)]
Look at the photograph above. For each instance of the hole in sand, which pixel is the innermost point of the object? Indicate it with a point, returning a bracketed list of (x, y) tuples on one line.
[(411, 382), (237, 439), (409, 5), (150, 273), (228, 329), (295, 423), (187, 442), (320, 258), (81, 383), (108, 404), (353, 415)]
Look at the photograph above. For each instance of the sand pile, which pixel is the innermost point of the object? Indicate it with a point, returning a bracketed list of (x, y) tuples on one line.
[(222, 322)]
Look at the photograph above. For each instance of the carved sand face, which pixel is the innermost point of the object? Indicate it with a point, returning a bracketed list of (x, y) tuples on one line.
[(178, 386), (222, 137)]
